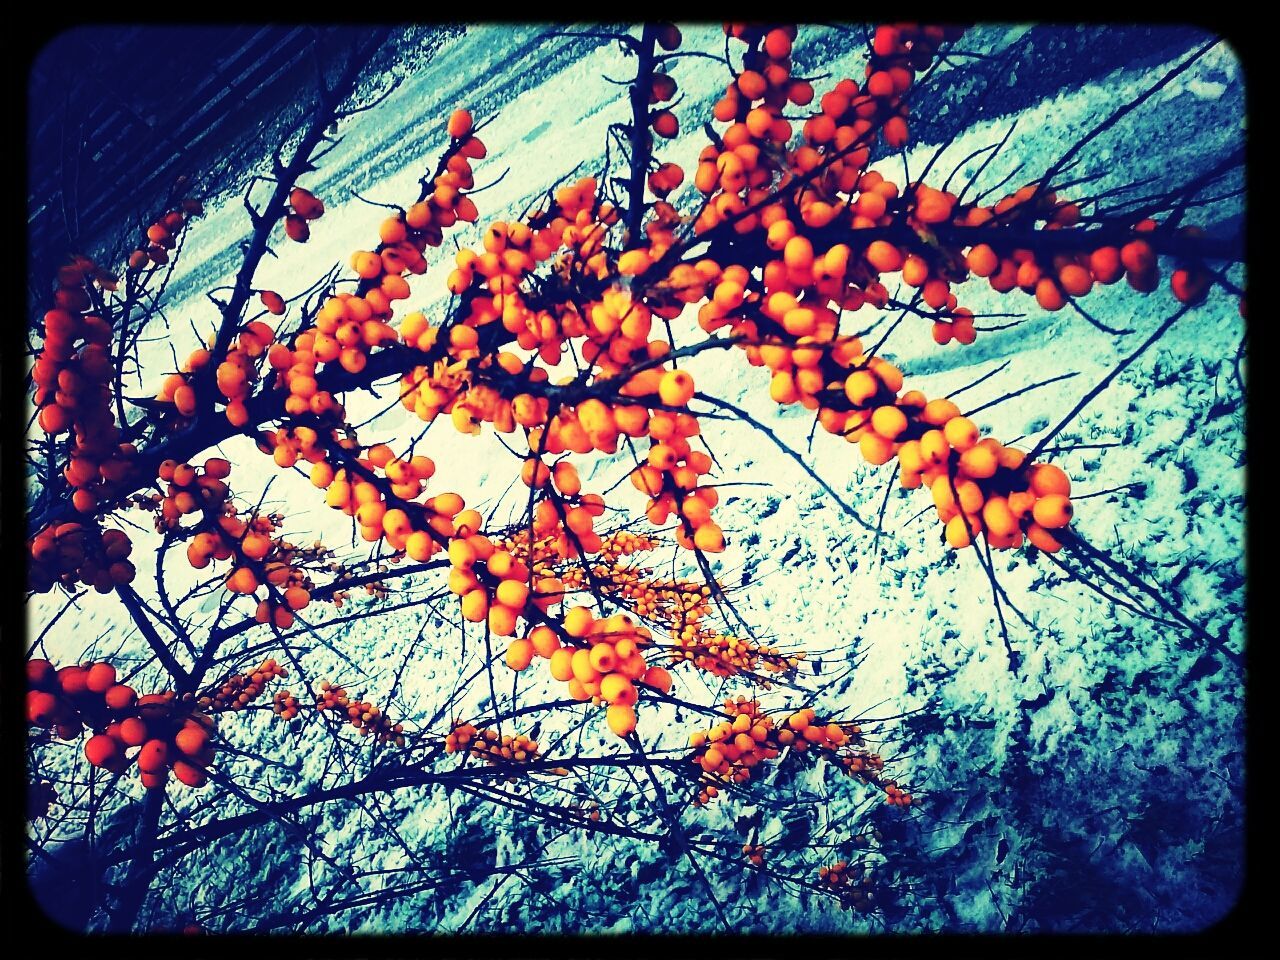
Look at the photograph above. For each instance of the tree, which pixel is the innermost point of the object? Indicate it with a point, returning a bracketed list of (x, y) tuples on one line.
[(581, 591)]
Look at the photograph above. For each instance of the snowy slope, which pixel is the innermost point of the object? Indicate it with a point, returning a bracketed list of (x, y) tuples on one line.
[(1099, 787)]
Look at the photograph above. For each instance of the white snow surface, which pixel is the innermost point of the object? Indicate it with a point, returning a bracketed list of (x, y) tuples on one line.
[(1031, 783)]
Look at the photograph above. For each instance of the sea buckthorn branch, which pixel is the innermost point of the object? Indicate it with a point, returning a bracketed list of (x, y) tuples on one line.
[(180, 626), (361, 714), (726, 754), (133, 603), (336, 317), (131, 322), (1068, 157), (259, 557), (872, 442), (793, 454), (173, 734), (789, 239), (854, 892), (260, 406), (72, 375), (772, 84), (591, 821), (675, 604), (387, 893), (494, 748), (723, 656), (328, 591), (240, 691), (224, 391), (385, 778), (1106, 567), (142, 264), (644, 90), (729, 656), (312, 629), (834, 106), (833, 880), (329, 102)]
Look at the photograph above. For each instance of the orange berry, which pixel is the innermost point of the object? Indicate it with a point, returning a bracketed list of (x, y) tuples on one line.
[(860, 386), (961, 433), (979, 462), (272, 301), (519, 654), (583, 671), (998, 518), (1052, 511), (191, 739), (133, 731), (1047, 479), (883, 256), (621, 719), (958, 532), (513, 594), (535, 473), (305, 203), (460, 124), (242, 580), (561, 665), (1105, 265), (1042, 538), (565, 477), (1075, 280), (296, 598), (982, 260), (297, 228), (120, 697), (665, 124), (1138, 257), (617, 688), (709, 538), (1049, 294), (889, 422), (544, 640), (475, 605), (875, 449), (366, 265), (396, 523), (603, 657), (658, 678), (577, 621), (676, 388)]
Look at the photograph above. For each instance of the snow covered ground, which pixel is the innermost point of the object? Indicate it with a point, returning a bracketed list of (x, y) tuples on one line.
[(1098, 787)]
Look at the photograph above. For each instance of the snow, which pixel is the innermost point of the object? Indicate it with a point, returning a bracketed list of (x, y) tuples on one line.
[(1099, 765)]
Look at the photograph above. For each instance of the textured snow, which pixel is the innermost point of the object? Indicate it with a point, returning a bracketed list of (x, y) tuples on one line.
[(1097, 788)]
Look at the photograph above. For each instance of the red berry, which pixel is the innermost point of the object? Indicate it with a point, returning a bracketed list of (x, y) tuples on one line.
[(100, 677), (40, 673), (133, 731), (191, 739), (73, 680), (101, 749), (189, 774), (42, 707), (153, 756), (120, 697)]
